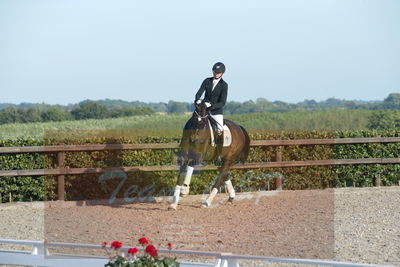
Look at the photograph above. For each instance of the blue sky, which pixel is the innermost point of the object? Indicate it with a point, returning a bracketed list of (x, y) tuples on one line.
[(61, 52)]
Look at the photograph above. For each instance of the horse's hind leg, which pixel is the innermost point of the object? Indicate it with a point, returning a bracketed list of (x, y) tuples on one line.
[(231, 190), (210, 198), (223, 177), (175, 198)]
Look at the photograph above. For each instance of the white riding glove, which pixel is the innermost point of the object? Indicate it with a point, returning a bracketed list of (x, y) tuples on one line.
[(207, 104), (198, 102)]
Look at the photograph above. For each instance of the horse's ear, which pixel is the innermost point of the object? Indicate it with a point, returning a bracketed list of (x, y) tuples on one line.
[(198, 107)]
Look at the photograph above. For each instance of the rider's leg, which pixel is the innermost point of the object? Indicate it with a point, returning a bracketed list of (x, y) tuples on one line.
[(220, 122), (219, 138)]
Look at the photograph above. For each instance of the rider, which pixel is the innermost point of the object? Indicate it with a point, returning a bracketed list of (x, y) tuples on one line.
[(216, 91)]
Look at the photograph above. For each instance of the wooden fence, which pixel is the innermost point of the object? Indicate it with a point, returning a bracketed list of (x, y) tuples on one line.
[(61, 171)]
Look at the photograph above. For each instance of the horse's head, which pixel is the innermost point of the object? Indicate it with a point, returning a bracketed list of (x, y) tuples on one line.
[(201, 110), (197, 135), (200, 133)]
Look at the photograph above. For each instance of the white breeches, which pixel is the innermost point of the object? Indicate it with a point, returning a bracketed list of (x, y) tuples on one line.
[(220, 121)]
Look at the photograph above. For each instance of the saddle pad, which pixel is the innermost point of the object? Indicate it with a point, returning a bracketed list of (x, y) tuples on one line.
[(227, 136)]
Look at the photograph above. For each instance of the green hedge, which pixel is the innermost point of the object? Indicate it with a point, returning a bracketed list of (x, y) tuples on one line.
[(365, 175), (79, 187)]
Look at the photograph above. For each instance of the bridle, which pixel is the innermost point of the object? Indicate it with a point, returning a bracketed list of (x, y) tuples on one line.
[(204, 117), (201, 117)]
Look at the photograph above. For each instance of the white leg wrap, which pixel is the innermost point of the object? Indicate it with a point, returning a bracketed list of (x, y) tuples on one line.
[(188, 177), (186, 182), (175, 198), (231, 190), (185, 190), (210, 197)]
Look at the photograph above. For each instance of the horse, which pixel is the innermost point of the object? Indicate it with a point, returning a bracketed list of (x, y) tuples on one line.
[(197, 146)]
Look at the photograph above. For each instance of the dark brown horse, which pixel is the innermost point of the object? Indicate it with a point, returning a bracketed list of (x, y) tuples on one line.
[(197, 146)]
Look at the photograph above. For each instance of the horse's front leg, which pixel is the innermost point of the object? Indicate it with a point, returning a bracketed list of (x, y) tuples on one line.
[(182, 185), (222, 177), (186, 172), (185, 177)]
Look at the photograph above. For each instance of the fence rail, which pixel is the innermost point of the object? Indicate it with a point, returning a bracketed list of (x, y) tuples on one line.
[(280, 164), (61, 150), (99, 147), (39, 255)]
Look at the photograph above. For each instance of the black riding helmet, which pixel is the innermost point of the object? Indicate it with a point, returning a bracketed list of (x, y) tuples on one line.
[(218, 67)]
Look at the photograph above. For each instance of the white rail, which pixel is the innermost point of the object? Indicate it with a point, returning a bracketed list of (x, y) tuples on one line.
[(39, 255)]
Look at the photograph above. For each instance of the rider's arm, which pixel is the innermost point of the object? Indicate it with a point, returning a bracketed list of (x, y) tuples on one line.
[(200, 91)]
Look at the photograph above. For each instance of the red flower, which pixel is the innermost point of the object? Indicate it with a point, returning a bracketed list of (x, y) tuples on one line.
[(132, 251), (143, 241), (104, 244), (150, 249), (116, 245), (169, 246)]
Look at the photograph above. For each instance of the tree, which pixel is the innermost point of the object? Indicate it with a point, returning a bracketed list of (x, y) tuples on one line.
[(131, 111), (90, 110), (263, 105), (392, 101), (232, 107), (333, 102), (384, 119), (20, 115), (9, 115), (29, 115), (177, 107), (248, 107), (55, 114)]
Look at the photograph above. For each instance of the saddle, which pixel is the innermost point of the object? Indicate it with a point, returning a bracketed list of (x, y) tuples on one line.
[(226, 134)]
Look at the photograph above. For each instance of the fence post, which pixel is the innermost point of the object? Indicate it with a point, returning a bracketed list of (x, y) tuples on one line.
[(61, 178), (278, 158), (225, 261), (377, 181)]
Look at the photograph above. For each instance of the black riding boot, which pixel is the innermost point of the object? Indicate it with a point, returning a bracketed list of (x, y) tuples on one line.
[(219, 142)]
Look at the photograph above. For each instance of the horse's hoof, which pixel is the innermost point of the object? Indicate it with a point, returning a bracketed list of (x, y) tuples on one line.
[(184, 190), (183, 195), (230, 200), (172, 207), (205, 205)]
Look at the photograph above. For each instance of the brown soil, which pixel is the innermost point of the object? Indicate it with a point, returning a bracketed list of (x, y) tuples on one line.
[(295, 224)]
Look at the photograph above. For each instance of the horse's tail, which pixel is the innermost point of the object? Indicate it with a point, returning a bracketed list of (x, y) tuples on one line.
[(245, 152)]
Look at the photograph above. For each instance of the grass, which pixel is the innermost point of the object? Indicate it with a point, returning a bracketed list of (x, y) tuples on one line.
[(307, 120)]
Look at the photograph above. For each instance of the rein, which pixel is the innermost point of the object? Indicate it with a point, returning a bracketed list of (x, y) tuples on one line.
[(205, 116), (201, 117)]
